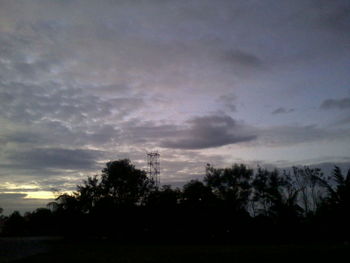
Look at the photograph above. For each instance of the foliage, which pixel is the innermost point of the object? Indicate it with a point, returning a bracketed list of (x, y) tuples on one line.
[(231, 185), (234, 204), (124, 184)]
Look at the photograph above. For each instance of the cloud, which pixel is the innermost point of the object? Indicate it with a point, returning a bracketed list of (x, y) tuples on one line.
[(15, 201), (241, 58), (53, 158), (82, 81), (196, 133), (282, 110), (229, 101), (291, 135), (336, 16), (207, 132), (13, 195), (340, 104)]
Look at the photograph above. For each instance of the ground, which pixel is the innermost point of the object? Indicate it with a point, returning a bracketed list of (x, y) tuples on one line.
[(103, 251)]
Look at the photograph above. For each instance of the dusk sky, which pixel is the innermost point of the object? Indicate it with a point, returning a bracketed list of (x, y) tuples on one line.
[(249, 81)]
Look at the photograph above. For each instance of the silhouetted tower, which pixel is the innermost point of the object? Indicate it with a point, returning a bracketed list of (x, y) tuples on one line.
[(154, 166)]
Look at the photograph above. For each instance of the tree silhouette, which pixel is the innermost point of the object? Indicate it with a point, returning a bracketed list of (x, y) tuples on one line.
[(338, 191), (124, 184), (231, 185), (307, 181), (124, 204), (15, 224), (276, 196), (197, 194), (166, 197), (89, 193)]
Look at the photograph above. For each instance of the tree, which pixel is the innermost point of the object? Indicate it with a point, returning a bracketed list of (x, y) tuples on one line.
[(196, 194), (68, 203), (338, 190), (89, 193), (1, 216), (307, 180), (231, 185), (119, 185), (124, 184), (166, 197), (276, 195), (15, 224)]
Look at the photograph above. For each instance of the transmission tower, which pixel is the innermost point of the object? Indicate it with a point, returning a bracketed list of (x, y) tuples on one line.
[(154, 166)]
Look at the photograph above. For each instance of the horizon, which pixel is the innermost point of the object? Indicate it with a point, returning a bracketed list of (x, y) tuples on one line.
[(33, 202), (219, 82)]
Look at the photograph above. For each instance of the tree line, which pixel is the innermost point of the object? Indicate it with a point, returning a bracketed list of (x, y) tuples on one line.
[(235, 204)]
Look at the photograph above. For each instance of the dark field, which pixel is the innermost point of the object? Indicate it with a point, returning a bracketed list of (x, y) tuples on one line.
[(102, 251)]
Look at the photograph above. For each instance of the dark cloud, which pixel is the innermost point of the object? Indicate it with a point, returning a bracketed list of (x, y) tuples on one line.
[(13, 195), (138, 131), (108, 90), (14, 201), (196, 133), (21, 137), (342, 121), (340, 104), (241, 58), (229, 101), (23, 190), (60, 115), (51, 101), (278, 136), (208, 132), (334, 15), (282, 110), (54, 158), (219, 130)]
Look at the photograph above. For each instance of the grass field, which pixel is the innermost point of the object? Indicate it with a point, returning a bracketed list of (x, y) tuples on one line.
[(110, 252)]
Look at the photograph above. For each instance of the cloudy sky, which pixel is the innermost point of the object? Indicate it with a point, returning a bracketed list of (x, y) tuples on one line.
[(85, 82)]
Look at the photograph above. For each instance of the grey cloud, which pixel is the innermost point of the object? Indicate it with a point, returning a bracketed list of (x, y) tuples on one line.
[(241, 58), (21, 137), (54, 158), (219, 130), (109, 90), (127, 105), (11, 202), (208, 132), (12, 195), (50, 100), (53, 114), (287, 135), (136, 131), (179, 166), (23, 190), (229, 101), (27, 102), (277, 136), (340, 104), (342, 121), (32, 70), (196, 133), (26, 57), (282, 110), (334, 15)]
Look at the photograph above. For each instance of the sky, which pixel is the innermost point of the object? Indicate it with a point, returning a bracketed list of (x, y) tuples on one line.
[(221, 82)]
